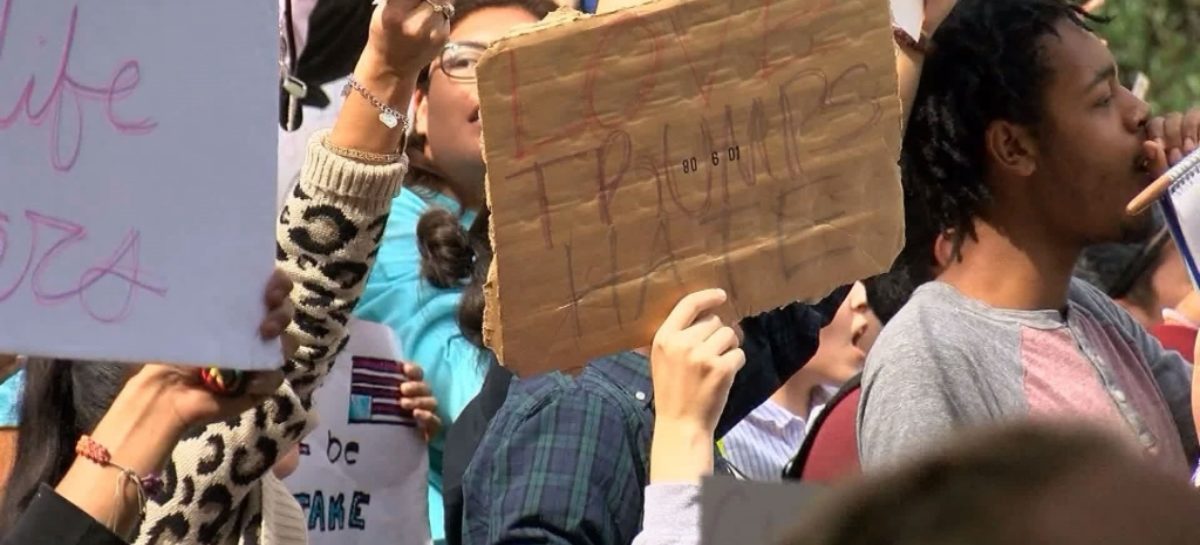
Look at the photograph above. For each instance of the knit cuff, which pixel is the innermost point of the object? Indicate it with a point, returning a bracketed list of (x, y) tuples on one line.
[(328, 171)]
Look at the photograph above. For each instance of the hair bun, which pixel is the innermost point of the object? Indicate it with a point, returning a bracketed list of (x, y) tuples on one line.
[(446, 253)]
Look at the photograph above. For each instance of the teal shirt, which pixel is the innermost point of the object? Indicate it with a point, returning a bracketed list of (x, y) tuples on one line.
[(423, 318), (10, 399)]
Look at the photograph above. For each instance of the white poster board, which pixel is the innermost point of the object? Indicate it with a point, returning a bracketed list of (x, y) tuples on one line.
[(909, 15), (137, 153), (363, 470), (1181, 207)]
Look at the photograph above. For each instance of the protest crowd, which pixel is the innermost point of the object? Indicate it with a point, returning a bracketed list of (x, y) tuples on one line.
[(1022, 373)]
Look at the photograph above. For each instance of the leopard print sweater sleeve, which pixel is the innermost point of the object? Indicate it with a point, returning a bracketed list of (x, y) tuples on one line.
[(328, 235)]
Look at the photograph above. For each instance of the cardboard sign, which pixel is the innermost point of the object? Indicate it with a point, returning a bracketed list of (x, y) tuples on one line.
[(363, 469), (736, 512), (639, 155), (137, 153)]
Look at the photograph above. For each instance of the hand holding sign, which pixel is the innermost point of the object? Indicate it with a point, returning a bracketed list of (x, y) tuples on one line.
[(407, 34), (692, 363), (417, 396)]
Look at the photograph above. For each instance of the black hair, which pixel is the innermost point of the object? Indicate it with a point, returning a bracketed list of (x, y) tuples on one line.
[(446, 254), (987, 63), (916, 264), (887, 293), (61, 400), (451, 256), (470, 308)]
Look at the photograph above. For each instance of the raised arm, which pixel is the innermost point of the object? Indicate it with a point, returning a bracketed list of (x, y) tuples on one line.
[(328, 234), (909, 61)]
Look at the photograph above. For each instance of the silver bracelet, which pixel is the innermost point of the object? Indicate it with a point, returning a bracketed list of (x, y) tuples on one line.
[(387, 115)]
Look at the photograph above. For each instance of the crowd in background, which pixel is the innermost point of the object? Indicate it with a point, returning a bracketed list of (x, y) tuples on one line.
[(1021, 374)]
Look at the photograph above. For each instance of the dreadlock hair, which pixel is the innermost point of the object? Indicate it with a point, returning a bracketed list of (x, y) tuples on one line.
[(987, 63)]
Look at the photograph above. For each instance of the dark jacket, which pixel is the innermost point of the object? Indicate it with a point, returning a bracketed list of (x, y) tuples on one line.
[(52, 520), (777, 344)]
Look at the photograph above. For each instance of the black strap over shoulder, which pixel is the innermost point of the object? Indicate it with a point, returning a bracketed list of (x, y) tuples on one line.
[(795, 468)]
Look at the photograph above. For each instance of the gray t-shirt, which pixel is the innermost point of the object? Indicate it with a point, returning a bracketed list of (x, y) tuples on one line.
[(947, 362)]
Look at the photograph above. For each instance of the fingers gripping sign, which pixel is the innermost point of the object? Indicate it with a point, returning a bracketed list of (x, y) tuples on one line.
[(694, 358), (409, 33)]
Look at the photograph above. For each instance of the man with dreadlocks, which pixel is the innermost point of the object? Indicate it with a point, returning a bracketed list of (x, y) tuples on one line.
[(1023, 148)]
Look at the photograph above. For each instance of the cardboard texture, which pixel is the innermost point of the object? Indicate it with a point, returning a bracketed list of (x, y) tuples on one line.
[(639, 155)]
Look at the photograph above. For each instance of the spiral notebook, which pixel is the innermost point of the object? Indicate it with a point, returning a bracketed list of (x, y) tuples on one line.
[(1181, 206)]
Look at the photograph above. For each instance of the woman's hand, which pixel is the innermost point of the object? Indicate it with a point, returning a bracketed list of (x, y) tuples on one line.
[(406, 35), (154, 409), (186, 397), (693, 361), (416, 396), (278, 300)]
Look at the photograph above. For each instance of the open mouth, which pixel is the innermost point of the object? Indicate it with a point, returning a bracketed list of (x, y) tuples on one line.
[(474, 118)]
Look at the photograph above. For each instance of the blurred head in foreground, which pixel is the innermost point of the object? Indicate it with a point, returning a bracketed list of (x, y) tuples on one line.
[(1012, 486)]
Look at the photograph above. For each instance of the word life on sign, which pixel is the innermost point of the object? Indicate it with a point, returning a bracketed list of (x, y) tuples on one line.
[(136, 203), (750, 145), (364, 469)]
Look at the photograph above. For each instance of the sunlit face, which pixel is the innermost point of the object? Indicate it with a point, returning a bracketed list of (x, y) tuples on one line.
[(846, 340), (1090, 160), (448, 114)]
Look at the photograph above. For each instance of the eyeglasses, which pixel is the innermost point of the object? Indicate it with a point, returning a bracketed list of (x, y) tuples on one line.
[(459, 59)]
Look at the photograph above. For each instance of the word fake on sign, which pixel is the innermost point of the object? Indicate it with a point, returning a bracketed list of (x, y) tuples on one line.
[(363, 470), (135, 224), (743, 144)]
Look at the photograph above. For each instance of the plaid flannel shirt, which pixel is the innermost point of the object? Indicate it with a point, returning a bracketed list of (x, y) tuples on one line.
[(566, 460)]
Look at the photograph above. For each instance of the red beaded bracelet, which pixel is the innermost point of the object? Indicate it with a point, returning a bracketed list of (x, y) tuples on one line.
[(89, 448)]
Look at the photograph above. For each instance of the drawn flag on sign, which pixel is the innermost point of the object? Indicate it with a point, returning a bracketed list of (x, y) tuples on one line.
[(375, 392)]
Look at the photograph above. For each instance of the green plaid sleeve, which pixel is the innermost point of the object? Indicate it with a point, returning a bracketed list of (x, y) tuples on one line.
[(565, 465)]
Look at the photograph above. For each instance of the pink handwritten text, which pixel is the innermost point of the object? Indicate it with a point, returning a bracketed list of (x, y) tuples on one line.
[(67, 126), (123, 264)]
